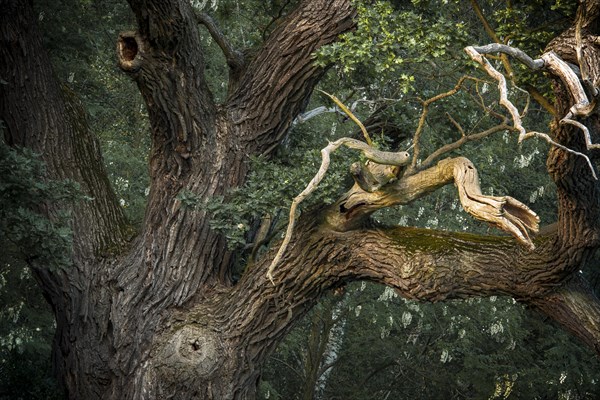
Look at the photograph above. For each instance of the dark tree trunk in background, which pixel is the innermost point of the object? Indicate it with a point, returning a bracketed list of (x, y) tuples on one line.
[(158, 316)]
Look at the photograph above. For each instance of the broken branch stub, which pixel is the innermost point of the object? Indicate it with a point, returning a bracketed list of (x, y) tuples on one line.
[(398, 159), (505, 212)]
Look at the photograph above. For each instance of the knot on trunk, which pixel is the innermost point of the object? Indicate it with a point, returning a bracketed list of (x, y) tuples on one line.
[(130, 51), (191, 353)]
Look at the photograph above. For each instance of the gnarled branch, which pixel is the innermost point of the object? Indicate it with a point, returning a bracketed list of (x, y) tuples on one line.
[(551, 62), (506, 213), (380, 157)]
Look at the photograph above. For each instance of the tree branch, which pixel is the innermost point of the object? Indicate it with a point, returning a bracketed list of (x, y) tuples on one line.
[(279, 80), (380, 157), (504, 212), (464, 139), (576, 308), (421, 124), (234, 57), (492, 34), (555, 65), (420, 264)]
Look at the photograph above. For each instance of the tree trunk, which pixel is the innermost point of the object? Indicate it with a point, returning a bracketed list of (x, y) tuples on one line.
[(158, 316)]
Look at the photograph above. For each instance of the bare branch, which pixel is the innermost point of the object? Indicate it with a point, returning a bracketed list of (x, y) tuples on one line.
[(492, 34), (512, 51), (351, 115), (555, 65), (424, 112), (380, 157), (505, 212), (464, 139)]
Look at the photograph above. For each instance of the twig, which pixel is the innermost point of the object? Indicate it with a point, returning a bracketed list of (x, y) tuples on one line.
[(424, 112), (350, 115), (464, 139)]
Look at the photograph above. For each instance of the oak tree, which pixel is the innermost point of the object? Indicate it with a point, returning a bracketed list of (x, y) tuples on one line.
[(158, 313)]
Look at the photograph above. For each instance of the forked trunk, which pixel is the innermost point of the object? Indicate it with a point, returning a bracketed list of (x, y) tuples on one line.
[(158, 316)]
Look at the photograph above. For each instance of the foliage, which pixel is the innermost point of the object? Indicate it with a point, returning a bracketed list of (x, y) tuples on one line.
[(24, 192), (28, 238), (272, 184), (387, 38)]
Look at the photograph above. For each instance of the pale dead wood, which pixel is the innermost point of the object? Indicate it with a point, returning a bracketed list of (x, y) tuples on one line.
[(503, 212), (551, 62), (381, 157), (507, 213)]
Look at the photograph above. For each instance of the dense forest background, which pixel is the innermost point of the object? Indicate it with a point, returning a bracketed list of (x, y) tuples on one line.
[(364, 342)]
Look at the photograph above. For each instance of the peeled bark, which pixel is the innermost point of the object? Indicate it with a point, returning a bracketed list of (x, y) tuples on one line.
[(158, 316)]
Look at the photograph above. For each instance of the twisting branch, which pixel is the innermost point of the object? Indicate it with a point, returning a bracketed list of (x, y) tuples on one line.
[(234, 57), (552, 63), (424, 112), (504, 212), (511, 51), (381, 157)]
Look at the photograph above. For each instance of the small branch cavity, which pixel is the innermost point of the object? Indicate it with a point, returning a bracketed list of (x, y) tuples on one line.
[(130, 51)]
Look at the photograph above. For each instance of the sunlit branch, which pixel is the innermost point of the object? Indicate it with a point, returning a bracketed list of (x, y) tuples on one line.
[(504, 212), (349, 113), (380, 157)]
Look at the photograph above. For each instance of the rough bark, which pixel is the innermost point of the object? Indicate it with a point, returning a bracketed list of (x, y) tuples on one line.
[(158, 316)]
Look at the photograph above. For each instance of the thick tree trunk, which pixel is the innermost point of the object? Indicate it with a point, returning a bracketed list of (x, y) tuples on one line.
[(158, 316)]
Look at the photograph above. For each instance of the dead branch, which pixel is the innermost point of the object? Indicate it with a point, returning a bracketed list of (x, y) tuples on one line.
[(380, 157), (505, 212), (350, 115), (552, 63)]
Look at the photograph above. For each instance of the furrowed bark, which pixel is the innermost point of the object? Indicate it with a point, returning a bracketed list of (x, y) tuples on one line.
[(277, 84), (575, 307), (162, 318)]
